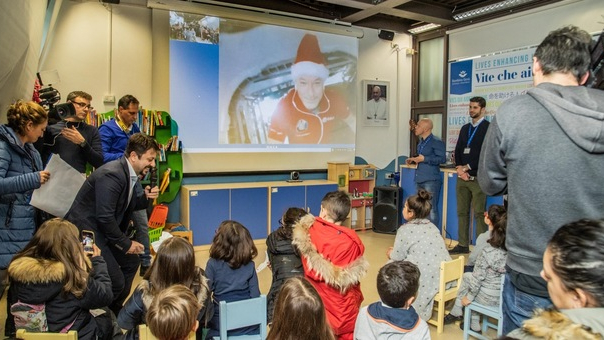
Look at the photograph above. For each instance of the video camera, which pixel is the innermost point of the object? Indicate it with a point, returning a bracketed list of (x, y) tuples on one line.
[(49, 97)]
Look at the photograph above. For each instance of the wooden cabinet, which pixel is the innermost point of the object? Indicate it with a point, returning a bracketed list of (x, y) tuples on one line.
[(258, 206), (359, 181)]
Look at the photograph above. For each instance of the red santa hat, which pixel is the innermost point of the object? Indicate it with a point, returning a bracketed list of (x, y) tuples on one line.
[(309, 59)]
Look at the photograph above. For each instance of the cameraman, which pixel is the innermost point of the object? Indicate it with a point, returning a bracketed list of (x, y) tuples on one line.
[(72, 138)]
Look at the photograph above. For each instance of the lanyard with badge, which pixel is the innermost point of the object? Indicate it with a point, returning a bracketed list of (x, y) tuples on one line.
[(471, 134), (421, 145)]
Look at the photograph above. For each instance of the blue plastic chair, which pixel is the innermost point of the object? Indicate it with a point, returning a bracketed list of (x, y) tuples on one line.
[(487, 311), (243, 313)]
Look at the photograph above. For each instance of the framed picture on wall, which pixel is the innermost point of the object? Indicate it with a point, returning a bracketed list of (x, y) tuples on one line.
[(375, 103)]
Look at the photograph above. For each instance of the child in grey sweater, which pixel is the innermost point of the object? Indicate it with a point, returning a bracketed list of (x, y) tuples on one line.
[(484, 283)]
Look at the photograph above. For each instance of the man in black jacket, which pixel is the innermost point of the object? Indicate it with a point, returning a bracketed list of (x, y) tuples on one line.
[(467, 154), (104, 205), (75, 141)]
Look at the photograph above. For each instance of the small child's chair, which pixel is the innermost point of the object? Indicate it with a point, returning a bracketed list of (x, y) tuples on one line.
[(144, 333), (450, 271), (25, 335), (243, 313), (487, 311)]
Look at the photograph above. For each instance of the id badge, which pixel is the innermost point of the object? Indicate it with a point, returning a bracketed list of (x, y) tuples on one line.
[(466, 151)]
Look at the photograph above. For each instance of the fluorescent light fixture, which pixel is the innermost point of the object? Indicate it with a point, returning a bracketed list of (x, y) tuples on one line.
[(263, 16), (423, 28), (489, 9)]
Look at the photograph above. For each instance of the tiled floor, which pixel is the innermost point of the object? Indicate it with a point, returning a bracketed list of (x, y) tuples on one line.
[(375, 252)]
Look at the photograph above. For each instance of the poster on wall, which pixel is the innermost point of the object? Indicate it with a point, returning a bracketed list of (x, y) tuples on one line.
[(496, 78), (375, 108)]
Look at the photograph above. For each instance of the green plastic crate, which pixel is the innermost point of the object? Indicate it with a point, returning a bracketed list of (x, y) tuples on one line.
[(155, 233)]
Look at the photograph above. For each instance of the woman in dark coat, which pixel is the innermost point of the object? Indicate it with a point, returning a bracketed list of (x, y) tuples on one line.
[(20, 173)]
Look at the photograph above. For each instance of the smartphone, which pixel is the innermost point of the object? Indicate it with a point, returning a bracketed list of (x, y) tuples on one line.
[(88, 241)]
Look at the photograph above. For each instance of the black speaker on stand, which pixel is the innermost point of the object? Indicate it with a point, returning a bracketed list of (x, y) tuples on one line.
[(387, 209)]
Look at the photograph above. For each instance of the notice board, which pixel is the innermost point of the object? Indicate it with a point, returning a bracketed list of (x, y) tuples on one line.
[(495, 77)]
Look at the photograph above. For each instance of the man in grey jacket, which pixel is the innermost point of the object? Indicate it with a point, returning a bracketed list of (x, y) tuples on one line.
[(546, 150)]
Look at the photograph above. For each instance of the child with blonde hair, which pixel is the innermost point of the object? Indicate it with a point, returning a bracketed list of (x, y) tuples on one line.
[(173, 313)]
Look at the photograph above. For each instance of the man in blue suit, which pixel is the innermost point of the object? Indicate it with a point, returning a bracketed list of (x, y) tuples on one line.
[(430, 154), (104, 205)]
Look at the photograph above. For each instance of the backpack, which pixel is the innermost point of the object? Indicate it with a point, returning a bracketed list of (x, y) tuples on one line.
[(32, 317)]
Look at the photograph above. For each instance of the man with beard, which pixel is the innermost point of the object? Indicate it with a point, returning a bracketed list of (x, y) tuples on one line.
[(467, 154), (105, 204)]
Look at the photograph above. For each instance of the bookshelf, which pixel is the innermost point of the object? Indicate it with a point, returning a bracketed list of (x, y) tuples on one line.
[(161, 126)]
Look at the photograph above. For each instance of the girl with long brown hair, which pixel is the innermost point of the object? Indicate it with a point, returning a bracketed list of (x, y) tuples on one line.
[(173, 264), (53, 270)]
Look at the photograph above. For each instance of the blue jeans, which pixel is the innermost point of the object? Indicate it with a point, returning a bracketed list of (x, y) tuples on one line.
[(141, 223), (518, 306), (434, 188)]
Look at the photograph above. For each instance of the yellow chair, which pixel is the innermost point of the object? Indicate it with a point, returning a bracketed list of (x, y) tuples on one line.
[(145, 334), (188, 235), (25, 335), (451, 273)]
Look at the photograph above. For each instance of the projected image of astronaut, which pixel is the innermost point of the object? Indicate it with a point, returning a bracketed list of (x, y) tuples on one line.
[(311, 113)]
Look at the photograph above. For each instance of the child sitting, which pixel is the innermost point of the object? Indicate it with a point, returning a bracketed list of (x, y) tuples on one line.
[(283, 256), (231, 272), (172, 314), (298, 300), (333, 261), (393, 316), (54, 271), (492, 216), (173, 264), (484, 283), (419, 242)]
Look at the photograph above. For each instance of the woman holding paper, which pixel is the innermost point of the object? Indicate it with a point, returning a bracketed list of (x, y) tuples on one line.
[(20, 173)]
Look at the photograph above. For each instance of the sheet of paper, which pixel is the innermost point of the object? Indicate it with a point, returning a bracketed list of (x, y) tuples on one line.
[(264, 264), (164, 236), (56, 196)]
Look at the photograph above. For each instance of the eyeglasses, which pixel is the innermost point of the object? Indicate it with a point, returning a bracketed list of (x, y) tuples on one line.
[(83, 105)]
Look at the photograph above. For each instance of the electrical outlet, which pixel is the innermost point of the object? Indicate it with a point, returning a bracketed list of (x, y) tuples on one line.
[(389, 175), (109, 98)]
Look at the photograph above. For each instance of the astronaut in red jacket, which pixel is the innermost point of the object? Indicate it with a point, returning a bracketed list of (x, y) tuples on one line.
[(310, 113), (333, 261)]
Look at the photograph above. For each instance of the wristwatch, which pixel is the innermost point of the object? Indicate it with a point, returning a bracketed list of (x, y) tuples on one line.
[(83, 144)]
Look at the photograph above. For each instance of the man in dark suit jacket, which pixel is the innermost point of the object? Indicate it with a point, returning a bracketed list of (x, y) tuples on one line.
[(104, 205), (430, 154)]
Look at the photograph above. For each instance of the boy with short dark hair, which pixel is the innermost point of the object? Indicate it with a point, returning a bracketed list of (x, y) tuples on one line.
[(172, 314), (393, 316)]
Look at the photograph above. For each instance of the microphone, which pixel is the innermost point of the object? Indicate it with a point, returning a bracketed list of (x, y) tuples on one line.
[(153, 177), (153, 180)]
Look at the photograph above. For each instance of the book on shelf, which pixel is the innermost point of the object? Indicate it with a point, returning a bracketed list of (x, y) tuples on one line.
[(165, 181)]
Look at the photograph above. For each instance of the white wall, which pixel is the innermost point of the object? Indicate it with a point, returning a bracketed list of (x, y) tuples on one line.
[(525, 29), (378, 61), (123, 49), (102, 50), (21, 24)]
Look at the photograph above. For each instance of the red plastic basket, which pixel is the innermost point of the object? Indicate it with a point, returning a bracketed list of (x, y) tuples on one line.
[(158, 216)]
